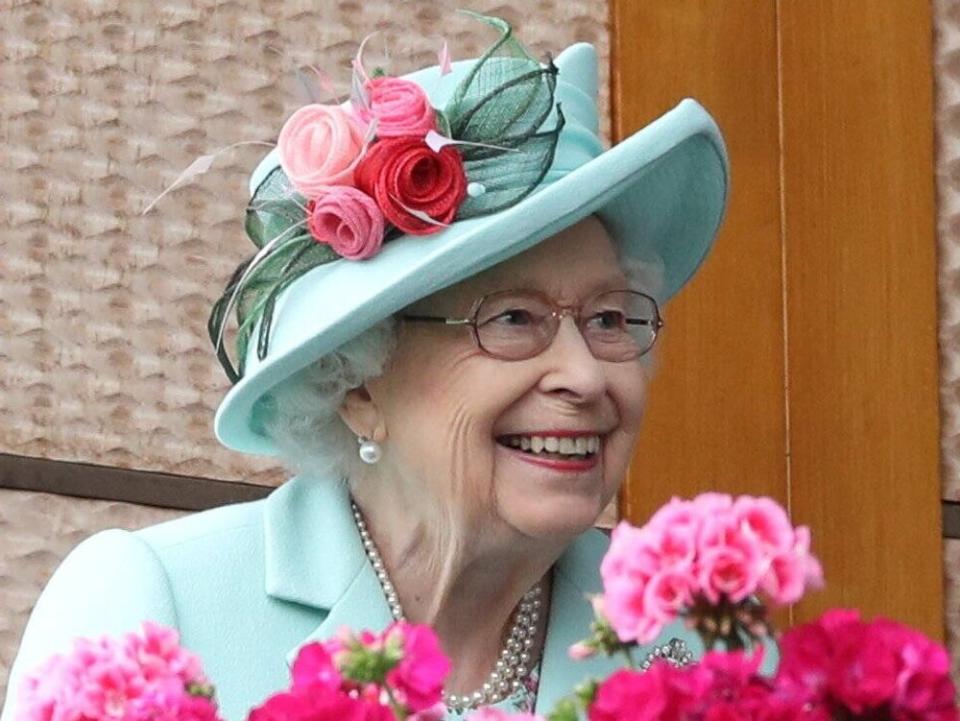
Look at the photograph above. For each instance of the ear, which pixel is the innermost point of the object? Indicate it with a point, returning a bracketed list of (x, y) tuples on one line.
[(361, 415)]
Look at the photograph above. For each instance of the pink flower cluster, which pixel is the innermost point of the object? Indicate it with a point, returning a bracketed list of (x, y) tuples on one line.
[(393, 676), (838, 667), (141, 676), (715, 548), (877, 670), (366, 163)]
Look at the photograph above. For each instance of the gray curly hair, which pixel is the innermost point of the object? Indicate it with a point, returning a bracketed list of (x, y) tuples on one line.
[(305, 425)]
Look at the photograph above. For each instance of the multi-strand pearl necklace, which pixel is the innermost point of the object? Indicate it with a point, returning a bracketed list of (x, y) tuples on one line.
[(514, 663)]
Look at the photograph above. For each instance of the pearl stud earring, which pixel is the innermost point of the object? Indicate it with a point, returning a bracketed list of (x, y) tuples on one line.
[(370, 451)]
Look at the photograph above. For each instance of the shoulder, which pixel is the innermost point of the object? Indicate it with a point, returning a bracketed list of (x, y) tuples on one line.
[(206, 529)]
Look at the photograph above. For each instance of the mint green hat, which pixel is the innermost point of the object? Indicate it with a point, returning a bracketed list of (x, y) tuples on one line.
[(661, 194)]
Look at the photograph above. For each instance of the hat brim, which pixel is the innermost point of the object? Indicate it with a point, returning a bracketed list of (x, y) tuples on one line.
[(661, 194)]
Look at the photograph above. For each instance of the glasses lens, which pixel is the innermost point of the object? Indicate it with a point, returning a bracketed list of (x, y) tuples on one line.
[(514, 325), (620, 325)]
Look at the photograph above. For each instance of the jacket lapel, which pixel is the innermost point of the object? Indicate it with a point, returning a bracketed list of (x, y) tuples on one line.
[(313, 557), (576, 577)]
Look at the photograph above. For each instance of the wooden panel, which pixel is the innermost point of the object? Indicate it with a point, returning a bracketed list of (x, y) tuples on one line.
[(860, 249), (716, 415)]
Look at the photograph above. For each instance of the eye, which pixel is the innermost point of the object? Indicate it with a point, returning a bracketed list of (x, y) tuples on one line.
[(514, 317), (608, 320)]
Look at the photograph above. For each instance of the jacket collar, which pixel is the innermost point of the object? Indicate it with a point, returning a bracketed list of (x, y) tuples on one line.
[(314, 557)]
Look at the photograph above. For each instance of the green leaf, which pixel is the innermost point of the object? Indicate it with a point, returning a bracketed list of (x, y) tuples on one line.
[(275, 209), (510, 176), (565, 710)]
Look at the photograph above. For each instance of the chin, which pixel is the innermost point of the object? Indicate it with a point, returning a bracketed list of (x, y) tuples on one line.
[(545, 517)]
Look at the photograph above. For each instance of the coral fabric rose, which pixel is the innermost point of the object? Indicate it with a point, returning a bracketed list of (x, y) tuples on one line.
[(318, 147), (404, 175), (348, 220), (399, 106)]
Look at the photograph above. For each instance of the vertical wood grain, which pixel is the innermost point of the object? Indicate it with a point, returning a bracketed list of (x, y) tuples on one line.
[(801, 362), (716, 416), (861, 301)]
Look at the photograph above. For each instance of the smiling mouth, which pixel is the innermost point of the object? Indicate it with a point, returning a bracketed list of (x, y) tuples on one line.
[(560, 448)]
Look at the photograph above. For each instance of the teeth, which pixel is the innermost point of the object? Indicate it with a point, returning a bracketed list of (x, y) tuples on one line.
[(580, 446)]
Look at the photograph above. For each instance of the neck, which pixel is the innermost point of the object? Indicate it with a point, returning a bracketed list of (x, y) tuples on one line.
[(469, 593)]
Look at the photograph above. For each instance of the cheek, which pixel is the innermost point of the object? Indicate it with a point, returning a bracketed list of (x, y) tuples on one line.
[(441, 410), (628, 389)]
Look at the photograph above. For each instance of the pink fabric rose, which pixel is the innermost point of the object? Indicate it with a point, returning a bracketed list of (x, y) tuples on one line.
[(319, 146), (348, 220), (399, 106)]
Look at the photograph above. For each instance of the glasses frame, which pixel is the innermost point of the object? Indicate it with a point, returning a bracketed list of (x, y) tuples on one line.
[(557, 311)]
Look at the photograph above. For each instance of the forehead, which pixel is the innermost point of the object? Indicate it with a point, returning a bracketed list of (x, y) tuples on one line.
[(573, 264)]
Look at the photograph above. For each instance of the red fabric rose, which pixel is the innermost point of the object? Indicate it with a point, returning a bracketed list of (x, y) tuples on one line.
[(407, 178)]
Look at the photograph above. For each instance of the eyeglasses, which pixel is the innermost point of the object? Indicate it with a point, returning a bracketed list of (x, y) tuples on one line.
[(618, 325)]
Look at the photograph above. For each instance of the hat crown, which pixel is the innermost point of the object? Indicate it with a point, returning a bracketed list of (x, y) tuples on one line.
[(576, 90)]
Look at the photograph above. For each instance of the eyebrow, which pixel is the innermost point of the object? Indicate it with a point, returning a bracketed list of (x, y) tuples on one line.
[(608, 283)]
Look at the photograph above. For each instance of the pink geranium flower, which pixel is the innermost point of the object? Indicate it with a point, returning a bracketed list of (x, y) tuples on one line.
[(712, 552), (141, 676)]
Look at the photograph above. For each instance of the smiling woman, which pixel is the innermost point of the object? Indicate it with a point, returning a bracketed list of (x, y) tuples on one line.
[(445, 330)]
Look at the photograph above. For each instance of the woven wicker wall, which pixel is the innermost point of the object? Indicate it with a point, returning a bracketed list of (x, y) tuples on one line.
[(103, 104), (104, 357)]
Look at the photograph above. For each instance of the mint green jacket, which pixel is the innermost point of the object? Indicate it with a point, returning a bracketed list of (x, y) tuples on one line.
[(246, 585)]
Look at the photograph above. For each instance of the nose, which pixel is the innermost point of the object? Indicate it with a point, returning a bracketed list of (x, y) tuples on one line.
[(573, 373)]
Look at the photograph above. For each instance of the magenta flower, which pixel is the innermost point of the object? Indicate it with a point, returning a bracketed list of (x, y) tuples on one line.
[(314, 667), (880, 669), (418, 679), (320, 704), (488, 713)]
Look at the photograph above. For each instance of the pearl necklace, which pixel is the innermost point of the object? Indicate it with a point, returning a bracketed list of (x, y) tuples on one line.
[(511, 668)]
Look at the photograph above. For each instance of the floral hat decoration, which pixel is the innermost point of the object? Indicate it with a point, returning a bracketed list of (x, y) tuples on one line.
[(417, 182)]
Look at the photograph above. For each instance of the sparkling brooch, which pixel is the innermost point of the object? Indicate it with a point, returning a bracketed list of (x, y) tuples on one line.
[(675, 652)]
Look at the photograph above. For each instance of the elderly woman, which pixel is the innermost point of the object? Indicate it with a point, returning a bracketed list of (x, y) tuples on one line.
[(459, 404)]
